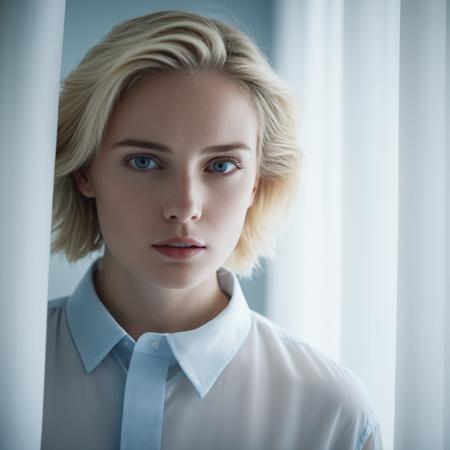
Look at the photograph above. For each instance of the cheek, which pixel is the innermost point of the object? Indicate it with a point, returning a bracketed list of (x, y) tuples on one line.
[(227, 209), (124, 212)]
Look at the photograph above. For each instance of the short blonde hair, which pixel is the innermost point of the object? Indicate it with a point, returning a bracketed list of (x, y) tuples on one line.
[(175, 41)]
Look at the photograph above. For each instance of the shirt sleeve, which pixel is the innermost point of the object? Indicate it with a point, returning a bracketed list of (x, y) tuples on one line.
[(374, 440)]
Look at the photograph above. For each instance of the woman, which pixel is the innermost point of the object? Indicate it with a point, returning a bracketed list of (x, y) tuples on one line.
[(176, 155)]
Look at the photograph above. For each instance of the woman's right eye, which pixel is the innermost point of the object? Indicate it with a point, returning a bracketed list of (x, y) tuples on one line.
[(141, 163)]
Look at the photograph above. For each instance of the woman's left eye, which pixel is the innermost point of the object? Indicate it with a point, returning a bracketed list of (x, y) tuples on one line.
[(221, 165)]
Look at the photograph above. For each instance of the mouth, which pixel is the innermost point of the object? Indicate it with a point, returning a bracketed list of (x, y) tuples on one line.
[(180, 241), (178, 252)]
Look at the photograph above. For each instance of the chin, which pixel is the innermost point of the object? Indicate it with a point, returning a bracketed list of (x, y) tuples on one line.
[(178, 276)]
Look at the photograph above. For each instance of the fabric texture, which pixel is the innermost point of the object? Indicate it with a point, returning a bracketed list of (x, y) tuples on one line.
[(239, 381)]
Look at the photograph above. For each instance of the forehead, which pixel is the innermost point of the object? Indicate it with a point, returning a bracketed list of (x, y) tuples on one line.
[(181, 107)]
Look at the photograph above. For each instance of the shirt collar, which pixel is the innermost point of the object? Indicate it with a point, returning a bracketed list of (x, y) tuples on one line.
[(202, 353)]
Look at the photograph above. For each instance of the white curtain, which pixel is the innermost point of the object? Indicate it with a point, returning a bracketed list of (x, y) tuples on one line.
[(31, 35), (361, 273)]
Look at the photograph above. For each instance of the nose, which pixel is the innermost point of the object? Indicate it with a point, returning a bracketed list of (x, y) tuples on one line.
[(182, 203)]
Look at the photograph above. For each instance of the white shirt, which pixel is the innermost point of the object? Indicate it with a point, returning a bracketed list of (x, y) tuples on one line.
[(238, 382)]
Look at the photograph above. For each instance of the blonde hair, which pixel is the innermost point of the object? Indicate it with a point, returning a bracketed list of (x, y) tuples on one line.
[(175, 41)]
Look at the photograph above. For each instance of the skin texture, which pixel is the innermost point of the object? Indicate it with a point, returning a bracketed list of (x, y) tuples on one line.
[(185, 192)]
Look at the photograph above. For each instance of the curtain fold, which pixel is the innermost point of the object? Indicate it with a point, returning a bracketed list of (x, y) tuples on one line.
[(31, 35), (361, 273), (422, 321)]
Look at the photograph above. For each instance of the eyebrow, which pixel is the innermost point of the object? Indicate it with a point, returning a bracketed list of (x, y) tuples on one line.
[(164, 148)]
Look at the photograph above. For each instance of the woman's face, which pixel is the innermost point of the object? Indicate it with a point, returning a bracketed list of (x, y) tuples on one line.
[(145, 195)]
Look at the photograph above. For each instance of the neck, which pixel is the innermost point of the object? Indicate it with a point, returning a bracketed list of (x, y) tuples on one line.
[(140, 306)]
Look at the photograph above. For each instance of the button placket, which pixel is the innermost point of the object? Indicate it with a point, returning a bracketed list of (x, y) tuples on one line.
[(145, 391), (144, 397)]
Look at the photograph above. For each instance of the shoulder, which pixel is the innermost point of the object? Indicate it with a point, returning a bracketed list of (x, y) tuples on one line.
[(310, 362), (327, 386), (55, 314)]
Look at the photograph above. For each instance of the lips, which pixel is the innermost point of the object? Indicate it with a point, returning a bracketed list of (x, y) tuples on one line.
[(178, 252), (187, 241)]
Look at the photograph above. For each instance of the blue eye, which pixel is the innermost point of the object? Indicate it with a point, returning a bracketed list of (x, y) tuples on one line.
[(221, 165), (140, 162)]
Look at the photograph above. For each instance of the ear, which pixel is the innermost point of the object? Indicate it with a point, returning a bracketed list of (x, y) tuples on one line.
[(255, 188), (83, 181)]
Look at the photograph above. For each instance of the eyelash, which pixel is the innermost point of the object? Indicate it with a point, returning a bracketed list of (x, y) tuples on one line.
[(233, 160)]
